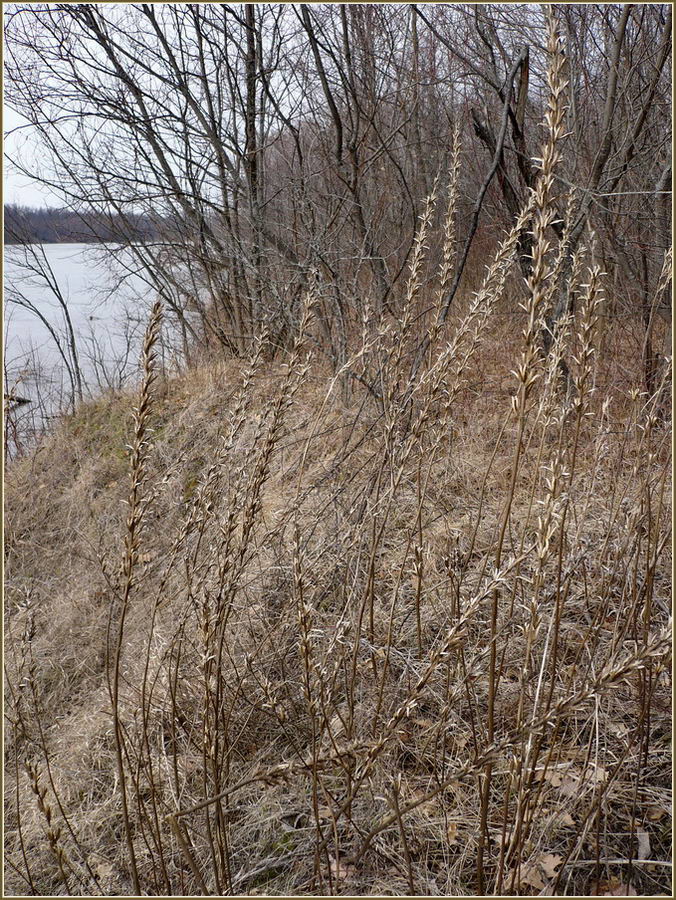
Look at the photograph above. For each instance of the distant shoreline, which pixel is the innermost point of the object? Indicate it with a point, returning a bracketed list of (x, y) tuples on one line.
[(27, 225), (69, 240)]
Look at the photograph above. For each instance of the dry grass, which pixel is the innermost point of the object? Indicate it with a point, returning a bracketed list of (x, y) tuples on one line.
[(406, 640)]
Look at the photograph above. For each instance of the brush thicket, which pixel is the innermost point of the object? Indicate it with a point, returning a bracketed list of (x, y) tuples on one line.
[(414, 643)]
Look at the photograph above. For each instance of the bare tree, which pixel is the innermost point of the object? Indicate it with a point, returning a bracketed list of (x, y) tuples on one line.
[(618, 60), (266, 143)]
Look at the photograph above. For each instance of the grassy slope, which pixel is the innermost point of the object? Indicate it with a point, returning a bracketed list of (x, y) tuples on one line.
[(324, 613)]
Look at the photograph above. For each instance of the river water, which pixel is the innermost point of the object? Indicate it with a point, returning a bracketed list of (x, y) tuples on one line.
[(108, 310)]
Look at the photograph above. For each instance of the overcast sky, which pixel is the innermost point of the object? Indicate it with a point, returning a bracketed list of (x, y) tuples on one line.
[(17, 188)]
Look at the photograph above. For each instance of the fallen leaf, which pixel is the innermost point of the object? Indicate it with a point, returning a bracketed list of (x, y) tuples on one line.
[(621, 889), (619, 728), (549, 863), (554, 778), (427, 807), (460, 524), (341, 870), (599, 775), (569, 787), (655, 813), (104, 870), (565, 818), (452, 833), (531, 876)]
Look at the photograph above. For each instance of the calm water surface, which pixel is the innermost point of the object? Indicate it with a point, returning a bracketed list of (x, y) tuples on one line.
[(108, 313), (105, 311)]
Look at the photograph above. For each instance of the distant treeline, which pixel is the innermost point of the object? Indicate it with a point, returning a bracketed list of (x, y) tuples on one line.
[(63, 226)]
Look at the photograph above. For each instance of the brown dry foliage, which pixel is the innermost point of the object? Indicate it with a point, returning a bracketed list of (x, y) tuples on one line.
[(412, 640)]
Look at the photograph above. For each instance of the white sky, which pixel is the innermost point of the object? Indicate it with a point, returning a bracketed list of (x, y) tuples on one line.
[(17, 188)]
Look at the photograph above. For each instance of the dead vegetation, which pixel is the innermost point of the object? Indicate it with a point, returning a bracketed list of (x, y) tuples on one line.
[(311, 638)]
